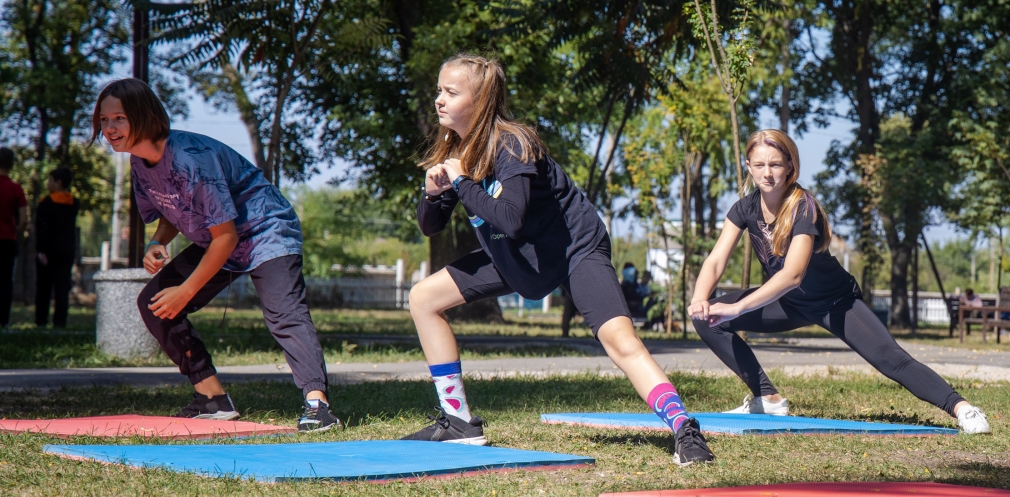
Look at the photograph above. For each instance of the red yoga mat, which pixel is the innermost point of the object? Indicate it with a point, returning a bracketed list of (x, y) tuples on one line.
[(824, 489), (130, 425)]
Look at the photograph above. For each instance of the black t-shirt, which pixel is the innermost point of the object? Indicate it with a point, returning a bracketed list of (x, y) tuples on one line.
[(56, 226), (531, 219), (825, 282)]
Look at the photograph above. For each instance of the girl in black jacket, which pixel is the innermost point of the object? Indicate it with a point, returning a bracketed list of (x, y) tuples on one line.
[(537, 232)]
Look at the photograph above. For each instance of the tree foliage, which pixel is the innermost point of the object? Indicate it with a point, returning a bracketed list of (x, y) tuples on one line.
[(264, 51), (347, 227), (912, 65)]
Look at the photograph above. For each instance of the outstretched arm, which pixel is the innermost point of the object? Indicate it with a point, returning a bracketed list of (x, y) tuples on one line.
[(801, 248), (712, 270)]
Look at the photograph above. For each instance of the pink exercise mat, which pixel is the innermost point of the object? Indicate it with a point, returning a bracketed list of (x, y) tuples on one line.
[(129, 425), (824, 489)]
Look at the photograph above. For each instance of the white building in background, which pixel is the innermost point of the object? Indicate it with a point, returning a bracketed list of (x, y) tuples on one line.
[(664, 260), (663, 264)]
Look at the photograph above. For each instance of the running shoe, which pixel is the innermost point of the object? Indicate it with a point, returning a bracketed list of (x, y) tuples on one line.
[(449, 428), (972, 420), (317, 417), (219, 407), (690, 446), (758, 405)]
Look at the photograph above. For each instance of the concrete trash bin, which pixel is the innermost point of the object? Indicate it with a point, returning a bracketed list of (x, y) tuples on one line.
[(119, 330)]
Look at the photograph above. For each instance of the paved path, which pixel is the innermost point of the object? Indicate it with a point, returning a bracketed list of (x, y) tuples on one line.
[(793, 356)]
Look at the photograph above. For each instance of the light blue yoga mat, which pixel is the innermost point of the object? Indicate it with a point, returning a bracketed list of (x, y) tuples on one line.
[(362, 460), (746, 424)]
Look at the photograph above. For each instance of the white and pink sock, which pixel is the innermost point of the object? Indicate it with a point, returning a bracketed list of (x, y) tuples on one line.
[(448, 380)]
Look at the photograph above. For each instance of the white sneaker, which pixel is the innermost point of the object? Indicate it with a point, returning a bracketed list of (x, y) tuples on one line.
[(758, 405), (972, 420)]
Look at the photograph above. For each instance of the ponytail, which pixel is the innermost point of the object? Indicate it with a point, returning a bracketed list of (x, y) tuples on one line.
[(798, 203)]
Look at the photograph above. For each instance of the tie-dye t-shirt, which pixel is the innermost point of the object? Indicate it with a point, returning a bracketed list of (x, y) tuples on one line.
[(825, 282), (200, 183)]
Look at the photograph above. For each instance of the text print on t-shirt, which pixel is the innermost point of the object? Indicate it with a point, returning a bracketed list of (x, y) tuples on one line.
[(494, 190), (163, 199)]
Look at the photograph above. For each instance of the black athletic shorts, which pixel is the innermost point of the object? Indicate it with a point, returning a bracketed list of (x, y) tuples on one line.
[(592, 285)]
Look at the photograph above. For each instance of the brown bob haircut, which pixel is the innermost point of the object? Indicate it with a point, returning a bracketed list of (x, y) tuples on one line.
[(145, 113)]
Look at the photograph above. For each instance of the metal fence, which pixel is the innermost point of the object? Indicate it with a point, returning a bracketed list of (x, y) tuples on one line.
[(932, 309)]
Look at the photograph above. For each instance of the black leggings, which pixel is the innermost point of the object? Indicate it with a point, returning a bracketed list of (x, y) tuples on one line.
[(849, 320)]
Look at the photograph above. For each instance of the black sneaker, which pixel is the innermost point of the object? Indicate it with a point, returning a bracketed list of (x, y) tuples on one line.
[(317, 417), (448, 428), (690, 446), (219, 407)]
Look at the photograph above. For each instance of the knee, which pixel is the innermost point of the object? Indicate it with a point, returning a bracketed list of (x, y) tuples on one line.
[(891, 362), (144, 299), (420, 298), (707, 332), (619, 339)]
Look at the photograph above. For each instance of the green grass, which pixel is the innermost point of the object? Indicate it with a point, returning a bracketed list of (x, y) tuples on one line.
[(244, 339), (625, 460), (346, 337)]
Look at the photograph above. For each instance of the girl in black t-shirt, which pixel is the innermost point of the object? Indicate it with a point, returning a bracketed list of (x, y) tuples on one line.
[(537, 231), (805, 286)]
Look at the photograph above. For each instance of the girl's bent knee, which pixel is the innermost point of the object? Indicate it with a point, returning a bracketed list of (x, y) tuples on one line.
[(423, 300)]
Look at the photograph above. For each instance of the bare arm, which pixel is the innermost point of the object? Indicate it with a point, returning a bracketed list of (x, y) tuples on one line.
[(801, 248), (712, 269), (156, 255), (169, 302)]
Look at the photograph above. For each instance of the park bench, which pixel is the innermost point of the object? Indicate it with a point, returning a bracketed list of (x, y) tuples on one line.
[(959, 319), (989, 316)]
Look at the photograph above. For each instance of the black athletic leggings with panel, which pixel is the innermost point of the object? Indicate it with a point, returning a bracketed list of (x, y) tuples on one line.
[(850, 320)]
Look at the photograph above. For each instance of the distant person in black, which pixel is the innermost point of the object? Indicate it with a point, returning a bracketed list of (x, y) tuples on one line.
[(537, 232), (805, 286), (631, 290), (56, 240)]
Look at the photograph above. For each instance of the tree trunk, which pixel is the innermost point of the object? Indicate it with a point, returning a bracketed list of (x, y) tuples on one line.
[(915, 286), (786, 94), (901, 258), (247, 112), (713, 207), (902, 244), (698, 195)]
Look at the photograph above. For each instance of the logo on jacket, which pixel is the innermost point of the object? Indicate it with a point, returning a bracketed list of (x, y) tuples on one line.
[(494, 190)]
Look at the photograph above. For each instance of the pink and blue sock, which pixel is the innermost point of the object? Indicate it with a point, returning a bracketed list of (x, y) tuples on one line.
[(664, 400), (448, 380)]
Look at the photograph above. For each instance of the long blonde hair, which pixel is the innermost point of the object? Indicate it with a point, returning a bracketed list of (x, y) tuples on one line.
[(795, 194), (489, 122)]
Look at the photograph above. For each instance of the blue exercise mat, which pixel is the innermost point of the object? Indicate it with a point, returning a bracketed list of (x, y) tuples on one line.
[(746, 424), (363, 460)]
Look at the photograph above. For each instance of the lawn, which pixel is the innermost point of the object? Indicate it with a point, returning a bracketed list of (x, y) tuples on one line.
[(239, 337), (625, 460)]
